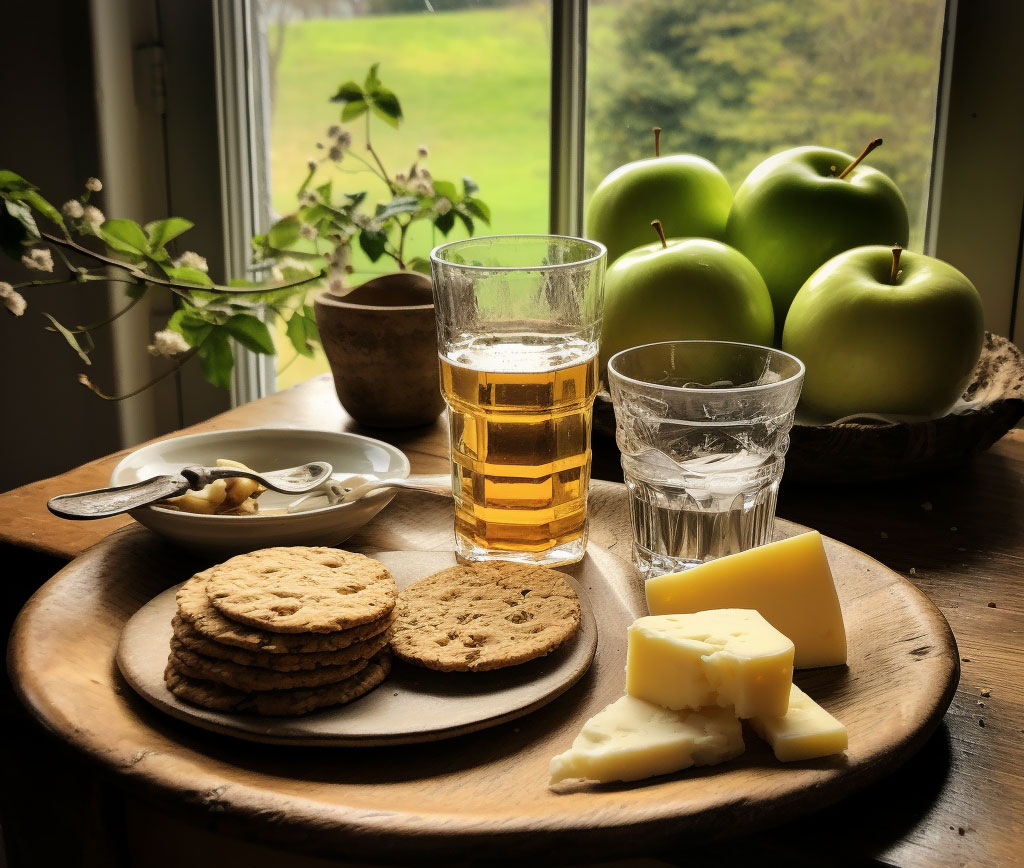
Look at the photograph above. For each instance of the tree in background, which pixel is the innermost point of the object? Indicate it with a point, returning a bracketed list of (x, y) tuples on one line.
[(738, 80)]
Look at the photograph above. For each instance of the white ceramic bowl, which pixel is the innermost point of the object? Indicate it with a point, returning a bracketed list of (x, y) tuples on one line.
[(263, 449)]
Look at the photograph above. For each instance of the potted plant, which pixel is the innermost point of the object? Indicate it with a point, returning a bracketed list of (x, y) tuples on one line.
[(379, 336)]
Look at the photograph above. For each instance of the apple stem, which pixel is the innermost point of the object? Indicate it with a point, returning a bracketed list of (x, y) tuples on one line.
[(661, 232), (868, 148), (894, 275), (657, 141)]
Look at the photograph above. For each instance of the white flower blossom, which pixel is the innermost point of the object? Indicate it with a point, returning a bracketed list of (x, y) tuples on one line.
[(343, 139), (443, 205), (307, 198), (422, 151), (73, 209), (94, 217), (336, 285), (276, 274), (307, 231), (38, 259), (424, 174), (424, 188), (191, 259), (336, 153), (401, 177), (167, 343), (13, 300), (94, 185)]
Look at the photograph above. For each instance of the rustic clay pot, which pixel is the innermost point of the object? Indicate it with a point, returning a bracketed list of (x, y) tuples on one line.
[(381, 343)]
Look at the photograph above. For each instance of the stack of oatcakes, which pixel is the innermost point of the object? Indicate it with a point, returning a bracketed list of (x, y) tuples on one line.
[(282, 631)]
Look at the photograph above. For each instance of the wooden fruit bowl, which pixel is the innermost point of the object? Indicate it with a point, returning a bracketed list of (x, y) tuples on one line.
[(871, 449)]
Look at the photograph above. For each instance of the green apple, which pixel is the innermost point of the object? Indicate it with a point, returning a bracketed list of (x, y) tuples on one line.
[(800, 208), (688, 194), (684, 289), (884, 333)]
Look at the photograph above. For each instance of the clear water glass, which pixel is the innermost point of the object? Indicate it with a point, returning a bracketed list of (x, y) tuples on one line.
[(703, 428)]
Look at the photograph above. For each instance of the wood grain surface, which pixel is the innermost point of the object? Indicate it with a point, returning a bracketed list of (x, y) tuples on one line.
[(461, 798)]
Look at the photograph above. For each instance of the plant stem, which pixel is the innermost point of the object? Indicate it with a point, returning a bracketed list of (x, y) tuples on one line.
[(53, 281), (179, 362), (894, 275), (78, 330), (145, 277), (657, 141), (380, 165), (661, 232), (868, 148)]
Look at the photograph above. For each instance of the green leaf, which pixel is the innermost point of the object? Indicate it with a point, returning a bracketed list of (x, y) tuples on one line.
[(445, 222), (17, 228), (348, 92), (354, 109), (187, 274), (467, 221), (125, 236), (191, 325), (70, 338), (216, 359), (477, 208), (470, 186), (297, 332), (284, 232), (160, 232), (399, 205), (11, 182), (42, 206), (386, 106), (372, 242), (251, 332), (448, 190), (241, 281), (372, 79), (420, 264), (324, 191)]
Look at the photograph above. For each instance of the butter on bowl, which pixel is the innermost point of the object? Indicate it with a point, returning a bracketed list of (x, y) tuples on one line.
[(263, 449)]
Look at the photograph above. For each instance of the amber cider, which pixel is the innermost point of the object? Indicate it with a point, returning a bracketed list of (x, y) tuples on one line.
[(520, 410)]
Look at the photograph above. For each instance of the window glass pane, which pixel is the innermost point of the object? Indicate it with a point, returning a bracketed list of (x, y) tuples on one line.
[(473, 79), (738, 80)]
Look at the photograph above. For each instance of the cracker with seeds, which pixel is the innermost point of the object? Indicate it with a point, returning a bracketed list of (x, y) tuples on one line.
[(252, 678), (477, 617), (301, 589), (361, 650), (195, 608), (277, 703)]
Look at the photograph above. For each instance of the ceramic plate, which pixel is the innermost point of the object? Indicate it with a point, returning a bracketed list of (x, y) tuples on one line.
[(412, 705)]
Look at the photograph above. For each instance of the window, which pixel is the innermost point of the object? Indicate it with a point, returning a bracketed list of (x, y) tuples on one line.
[(734, 81)]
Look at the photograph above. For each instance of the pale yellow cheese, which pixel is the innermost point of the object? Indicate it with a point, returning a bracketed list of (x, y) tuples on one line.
[(789, 582), (632, 739), (725, 657), (805, 731)]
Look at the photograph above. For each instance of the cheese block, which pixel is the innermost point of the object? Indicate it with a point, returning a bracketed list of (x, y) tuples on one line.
[(632, 739), (805, 731), (725, 657), (789, 582)]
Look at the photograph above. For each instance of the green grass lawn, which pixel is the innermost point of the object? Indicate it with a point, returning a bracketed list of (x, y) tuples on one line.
[(474, 88)]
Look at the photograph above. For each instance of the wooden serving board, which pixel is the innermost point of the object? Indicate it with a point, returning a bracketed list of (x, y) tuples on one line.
[(465, 797)]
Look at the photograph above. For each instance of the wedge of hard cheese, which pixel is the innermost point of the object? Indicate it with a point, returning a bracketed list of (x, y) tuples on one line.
[(805, 731), (633, 739), (789, 582), (725, 657)]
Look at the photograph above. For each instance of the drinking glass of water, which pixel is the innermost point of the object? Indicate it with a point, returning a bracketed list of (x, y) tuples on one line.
[(703, 428)]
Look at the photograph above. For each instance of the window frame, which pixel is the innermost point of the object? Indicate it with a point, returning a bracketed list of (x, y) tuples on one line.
[(973, 144)]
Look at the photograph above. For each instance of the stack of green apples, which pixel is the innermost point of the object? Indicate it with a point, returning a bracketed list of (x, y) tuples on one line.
[(808, 255)]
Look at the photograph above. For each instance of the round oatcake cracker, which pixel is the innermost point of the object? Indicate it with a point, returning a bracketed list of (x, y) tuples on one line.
[(277, 703), (476, 617), (252, 678), (301, 589), (361, 650)]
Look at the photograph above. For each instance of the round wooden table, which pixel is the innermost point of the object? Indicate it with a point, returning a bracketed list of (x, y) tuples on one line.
[(484, 793)]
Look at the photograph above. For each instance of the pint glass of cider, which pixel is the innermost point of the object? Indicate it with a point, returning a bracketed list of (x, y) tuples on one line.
[(518, 323)]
